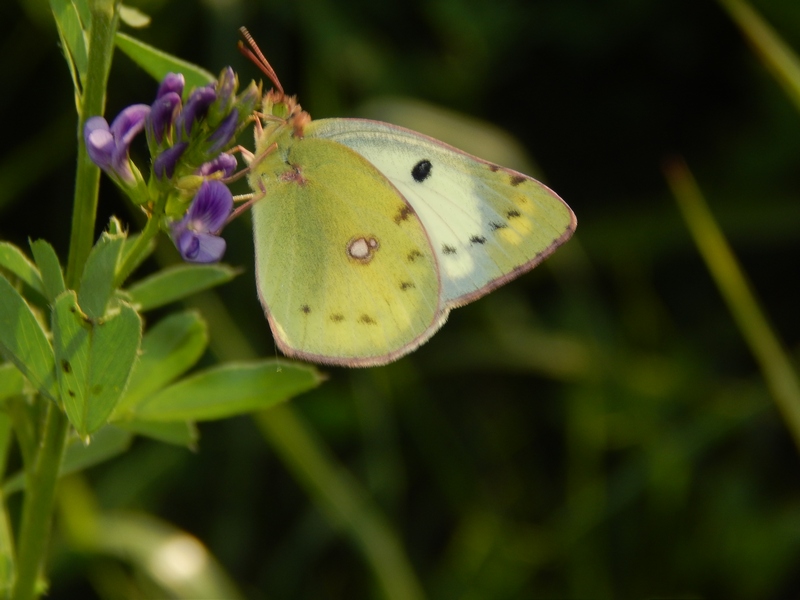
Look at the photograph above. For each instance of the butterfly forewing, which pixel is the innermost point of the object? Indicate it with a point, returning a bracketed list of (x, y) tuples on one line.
[(487, 224), (345, 269)]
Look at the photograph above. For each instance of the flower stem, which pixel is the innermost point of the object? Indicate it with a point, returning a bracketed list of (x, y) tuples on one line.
[(42, 475), (38, 508), (105, 17), (133, 258)]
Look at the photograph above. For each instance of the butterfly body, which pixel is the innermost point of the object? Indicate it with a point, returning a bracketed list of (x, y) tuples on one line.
[(368, 234)]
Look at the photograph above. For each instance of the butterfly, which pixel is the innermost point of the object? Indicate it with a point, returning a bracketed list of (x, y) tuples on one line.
[(368, 234)]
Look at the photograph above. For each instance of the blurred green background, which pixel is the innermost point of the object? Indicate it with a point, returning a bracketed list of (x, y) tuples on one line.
[(596, 429)]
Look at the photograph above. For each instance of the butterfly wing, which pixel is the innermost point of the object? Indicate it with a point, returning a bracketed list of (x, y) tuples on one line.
[(487, 224), (344, 268)]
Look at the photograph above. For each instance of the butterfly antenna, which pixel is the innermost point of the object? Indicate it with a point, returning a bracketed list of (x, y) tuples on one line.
[(255, 55)]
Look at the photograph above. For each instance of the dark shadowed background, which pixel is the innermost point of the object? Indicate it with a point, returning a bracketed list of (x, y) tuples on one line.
[(596, 429)]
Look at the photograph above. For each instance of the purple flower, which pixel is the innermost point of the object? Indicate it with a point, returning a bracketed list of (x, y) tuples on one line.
[(108, 147), (163, 113), (249, 99), (195, 109), (224, 163), (224, 133), (172, 83), (226, 87), (165, 163), (195, 234)]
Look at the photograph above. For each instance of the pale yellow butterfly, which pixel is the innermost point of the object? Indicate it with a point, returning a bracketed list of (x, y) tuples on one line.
[(368, 234)]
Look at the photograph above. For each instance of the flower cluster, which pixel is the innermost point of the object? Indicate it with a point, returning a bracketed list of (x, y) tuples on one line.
[(187, 142)]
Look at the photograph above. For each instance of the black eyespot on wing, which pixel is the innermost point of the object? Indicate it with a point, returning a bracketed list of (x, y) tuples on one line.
[(448, 249), (367, 320), (406, 285), (337, 317), (305, 309), (516, 180), (494, 226), (477, 239), (421, 170), (65, 366), (512, 214)]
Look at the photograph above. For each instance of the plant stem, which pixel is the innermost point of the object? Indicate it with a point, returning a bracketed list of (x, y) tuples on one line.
[(133, 258), (42, 476), (38, 508), (87, 177)]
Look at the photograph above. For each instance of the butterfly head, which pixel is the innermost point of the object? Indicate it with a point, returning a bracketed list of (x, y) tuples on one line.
[(282, 113), (279, 111)]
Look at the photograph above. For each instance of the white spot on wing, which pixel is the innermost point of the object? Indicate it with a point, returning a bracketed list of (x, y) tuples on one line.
[(362, 249)]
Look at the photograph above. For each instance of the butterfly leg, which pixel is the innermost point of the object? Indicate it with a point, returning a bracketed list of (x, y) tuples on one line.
[(250, 159), (248, 199)]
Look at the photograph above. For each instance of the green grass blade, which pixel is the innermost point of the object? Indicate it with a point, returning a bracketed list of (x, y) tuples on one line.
[(779, 58), (775, 365), (342, 499)]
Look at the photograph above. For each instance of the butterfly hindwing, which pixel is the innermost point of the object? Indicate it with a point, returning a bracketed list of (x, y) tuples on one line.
[(487, 224), (344, 266)]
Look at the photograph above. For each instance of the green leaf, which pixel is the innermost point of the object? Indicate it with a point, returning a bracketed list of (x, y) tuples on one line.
[(7, 570), (107, 443), (159, 63), (169, 349), (84, 12), (24, 342), (71, 342), (50, 269), (179, 433), (94, 360), (133, 17), (228, 390), (12, 383), (114, 350), (14, 260), (72, 33), (6, 437), (175, 283), (97, 282)]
